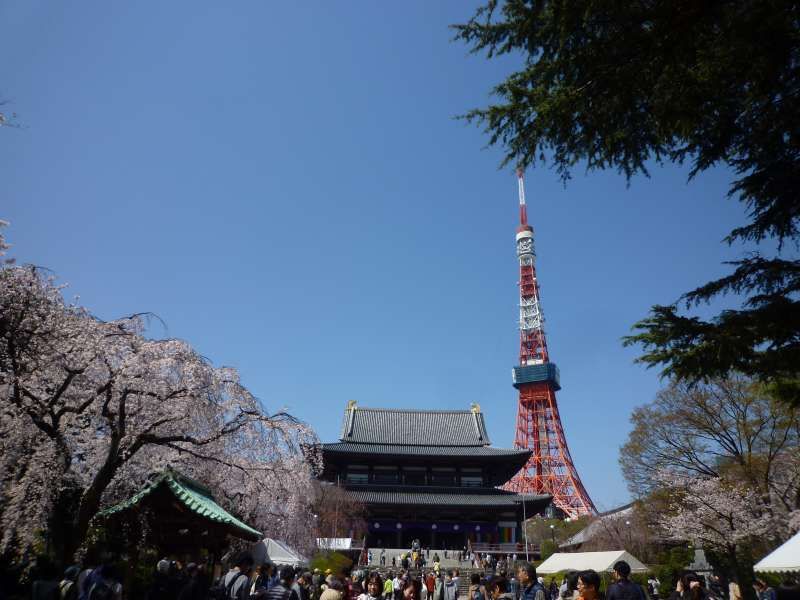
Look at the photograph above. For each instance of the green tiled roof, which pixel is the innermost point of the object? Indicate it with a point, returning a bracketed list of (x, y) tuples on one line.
[(194, 496)]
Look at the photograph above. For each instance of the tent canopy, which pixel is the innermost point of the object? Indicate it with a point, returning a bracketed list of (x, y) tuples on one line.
[(580, 561), (784, 558), (277, 553)]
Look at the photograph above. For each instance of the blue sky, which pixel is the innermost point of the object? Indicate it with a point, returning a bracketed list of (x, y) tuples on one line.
[(286, 186)]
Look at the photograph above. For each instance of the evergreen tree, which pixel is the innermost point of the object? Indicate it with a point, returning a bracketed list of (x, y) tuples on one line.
[(623, 84)]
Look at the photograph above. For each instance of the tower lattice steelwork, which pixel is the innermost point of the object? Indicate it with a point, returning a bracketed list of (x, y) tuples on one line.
[(550, 469)]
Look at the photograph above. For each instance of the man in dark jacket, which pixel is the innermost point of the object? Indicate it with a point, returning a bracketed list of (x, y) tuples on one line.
[(623, 588), (283, 589), (529, 588)]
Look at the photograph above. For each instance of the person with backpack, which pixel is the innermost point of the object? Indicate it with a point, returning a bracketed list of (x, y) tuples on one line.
[(623, 588), (282, 590), (652, 586), (68, 586), (475, 589), (235, 584), (103, 585)]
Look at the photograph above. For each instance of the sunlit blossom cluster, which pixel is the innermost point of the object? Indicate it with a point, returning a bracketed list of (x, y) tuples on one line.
[(92, 408), (712, 512)]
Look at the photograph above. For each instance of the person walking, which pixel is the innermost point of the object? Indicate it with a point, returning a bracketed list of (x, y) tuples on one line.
[(623, 588), (430, 586), (162, 586), (652, 586), (438, 588), (498, 589), (374, 588), (383, 557), (530, 588), (764, 591), (102, 584), (476, 591), (388, 587), (450, 587), (588, 585), (553, 589), (397, 585), (334, 590), (302, 586), (236, 583), (282, 590), (356, 585), (569, 589), (412, 589)]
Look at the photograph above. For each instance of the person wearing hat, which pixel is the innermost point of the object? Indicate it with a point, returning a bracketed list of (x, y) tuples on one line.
[(162, 586)]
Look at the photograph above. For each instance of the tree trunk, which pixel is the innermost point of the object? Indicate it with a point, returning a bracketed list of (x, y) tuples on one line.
[(90, 500), (743, 574)]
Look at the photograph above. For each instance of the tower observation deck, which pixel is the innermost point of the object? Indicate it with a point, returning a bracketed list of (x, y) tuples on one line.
[(550, 469)]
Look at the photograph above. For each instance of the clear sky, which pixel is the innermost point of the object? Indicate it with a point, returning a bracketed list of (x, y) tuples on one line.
[(286, 186)]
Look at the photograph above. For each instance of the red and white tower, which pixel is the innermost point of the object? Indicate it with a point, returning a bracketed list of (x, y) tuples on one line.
[(550, 469)]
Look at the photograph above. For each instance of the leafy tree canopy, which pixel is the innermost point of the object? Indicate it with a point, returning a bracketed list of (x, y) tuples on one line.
[(620, 84)]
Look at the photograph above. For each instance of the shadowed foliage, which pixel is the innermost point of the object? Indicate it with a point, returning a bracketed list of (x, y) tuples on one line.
[(624, 84)]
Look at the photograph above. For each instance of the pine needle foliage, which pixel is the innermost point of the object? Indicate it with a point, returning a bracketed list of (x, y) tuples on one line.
[(620, 85)]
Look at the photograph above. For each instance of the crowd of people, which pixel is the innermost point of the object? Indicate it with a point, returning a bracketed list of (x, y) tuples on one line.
[(518, 581), (421, 558)]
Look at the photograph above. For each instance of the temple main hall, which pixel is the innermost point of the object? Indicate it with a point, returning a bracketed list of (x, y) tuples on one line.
[(430, 475)]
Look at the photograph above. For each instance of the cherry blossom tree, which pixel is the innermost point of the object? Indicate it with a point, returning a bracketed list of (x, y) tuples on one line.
[(630, 528), (92, 408), (337, 513), (719, 515), (727, 428), (717, 464), (4, 245)]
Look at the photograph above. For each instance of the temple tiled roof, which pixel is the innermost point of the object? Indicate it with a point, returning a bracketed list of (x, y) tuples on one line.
[(406, 450), (448, 497), (414, 427)]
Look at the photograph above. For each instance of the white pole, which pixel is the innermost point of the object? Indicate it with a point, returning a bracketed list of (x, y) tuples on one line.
[(525, 530)]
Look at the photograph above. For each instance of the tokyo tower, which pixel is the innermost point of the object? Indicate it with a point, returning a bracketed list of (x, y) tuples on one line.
[(550, 469)]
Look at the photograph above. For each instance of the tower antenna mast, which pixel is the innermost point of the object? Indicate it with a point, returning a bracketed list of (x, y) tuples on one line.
[(550, 469)]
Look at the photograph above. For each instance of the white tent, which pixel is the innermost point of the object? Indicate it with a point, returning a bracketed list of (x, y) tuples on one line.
[(276, 552), (580, 561), (783, 558)]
